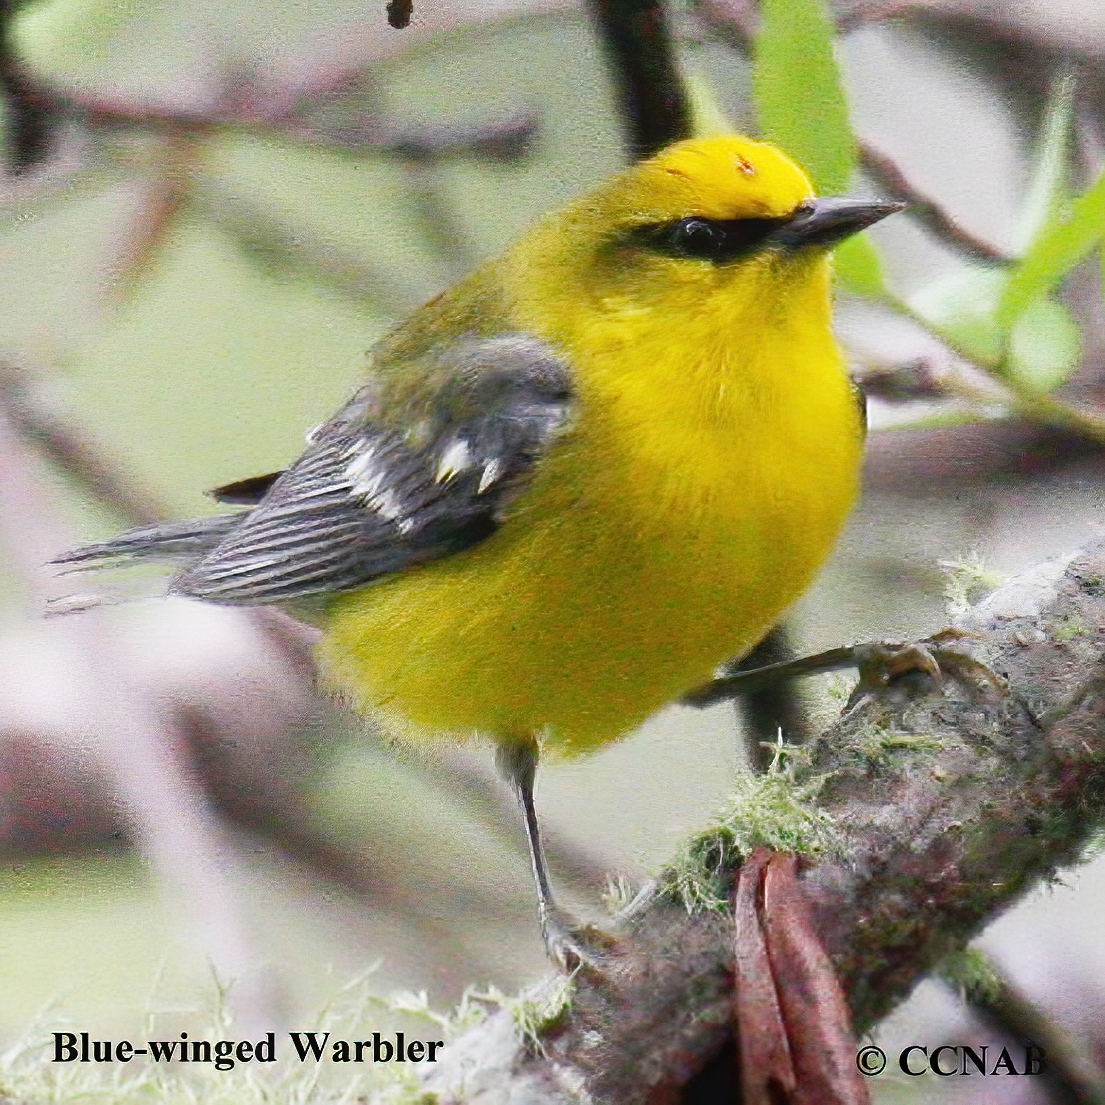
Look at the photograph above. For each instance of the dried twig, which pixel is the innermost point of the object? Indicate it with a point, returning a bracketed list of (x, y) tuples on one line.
[(287, 115)]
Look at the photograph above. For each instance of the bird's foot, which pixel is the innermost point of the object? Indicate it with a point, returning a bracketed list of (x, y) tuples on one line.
[(882, 662), (573, 947)]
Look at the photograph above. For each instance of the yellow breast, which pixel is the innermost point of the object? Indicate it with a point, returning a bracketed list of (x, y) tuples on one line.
[(702, 485)]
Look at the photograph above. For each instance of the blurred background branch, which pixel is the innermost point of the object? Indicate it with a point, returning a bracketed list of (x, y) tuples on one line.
[(641, 55)]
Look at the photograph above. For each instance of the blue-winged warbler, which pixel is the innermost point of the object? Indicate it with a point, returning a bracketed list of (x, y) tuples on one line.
[(579, 480)]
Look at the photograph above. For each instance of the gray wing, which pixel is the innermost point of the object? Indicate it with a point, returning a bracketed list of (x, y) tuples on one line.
[(389, 482)]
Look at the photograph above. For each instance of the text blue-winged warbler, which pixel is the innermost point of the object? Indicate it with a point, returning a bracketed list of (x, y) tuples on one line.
[(579, 480)]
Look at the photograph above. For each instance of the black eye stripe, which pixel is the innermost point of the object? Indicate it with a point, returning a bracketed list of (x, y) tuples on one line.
[(708, 239)]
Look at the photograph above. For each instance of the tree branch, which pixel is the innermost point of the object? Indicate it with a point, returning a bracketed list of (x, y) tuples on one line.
[(63, 444), (889, 179), (1072, 1075), (651, 97), (922, 813), (28, 127)]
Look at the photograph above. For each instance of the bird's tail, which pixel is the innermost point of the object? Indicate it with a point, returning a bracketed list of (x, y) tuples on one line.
[(182, 542)]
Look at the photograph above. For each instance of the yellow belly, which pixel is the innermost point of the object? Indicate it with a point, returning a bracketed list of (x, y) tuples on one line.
[(618, 583)]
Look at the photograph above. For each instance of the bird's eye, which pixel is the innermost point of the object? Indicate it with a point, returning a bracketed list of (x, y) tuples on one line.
[(695, 238), (705, 239)]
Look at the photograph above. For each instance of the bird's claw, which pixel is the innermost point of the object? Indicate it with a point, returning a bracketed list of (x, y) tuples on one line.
[(881, 662), (575, 947)]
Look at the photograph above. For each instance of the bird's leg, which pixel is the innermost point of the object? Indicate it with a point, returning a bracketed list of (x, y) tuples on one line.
[(517, 762), (565, 942), (879, 663), (773, 711)]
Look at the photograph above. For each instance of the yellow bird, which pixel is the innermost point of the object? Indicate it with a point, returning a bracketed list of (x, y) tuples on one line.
[(576, 482)]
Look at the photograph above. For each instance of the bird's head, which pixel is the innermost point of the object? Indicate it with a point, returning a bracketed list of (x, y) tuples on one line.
[(714, 223)]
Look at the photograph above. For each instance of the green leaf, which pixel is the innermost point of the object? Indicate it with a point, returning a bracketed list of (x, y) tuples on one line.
[(1038, 353), (707, 115), (858, 268), (1044, 347), (962, 309), (1056, 250), (800, 102), (1048, 189)]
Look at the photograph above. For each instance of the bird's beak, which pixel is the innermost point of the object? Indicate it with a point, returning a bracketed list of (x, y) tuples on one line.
[(825, 222)]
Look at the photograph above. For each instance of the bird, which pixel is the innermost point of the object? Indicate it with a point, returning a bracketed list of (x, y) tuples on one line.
[(573, 484)]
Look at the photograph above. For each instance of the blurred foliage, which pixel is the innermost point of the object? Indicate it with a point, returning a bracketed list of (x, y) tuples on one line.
[(800, 102), (252, 304), (1061, 243), (1003, 321)]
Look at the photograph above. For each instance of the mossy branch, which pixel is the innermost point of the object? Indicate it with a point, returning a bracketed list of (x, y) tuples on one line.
[(920, 815)]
